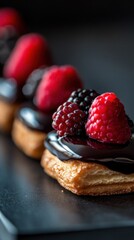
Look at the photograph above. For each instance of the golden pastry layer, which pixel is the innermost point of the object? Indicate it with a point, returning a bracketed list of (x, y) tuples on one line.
[(30, 141), (7, 113), (86, 178)]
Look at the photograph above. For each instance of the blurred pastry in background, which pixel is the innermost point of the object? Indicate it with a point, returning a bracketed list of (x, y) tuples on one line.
[(31, 52), (12, 26), (33, 122)]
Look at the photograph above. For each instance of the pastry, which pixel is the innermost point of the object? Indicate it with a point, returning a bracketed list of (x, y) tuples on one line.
[(32, 123), (12, 26), (99, 161), (10, 99), (30, 128), (16, 71)]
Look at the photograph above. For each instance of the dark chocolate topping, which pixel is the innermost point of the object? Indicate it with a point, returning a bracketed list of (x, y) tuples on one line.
[(35, 119), (116, 157), (10, 91)]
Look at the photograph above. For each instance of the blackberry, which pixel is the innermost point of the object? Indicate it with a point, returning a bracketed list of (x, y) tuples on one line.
[(8, 39), (69, 120), (84, 98), (130, 122), (32, 82)]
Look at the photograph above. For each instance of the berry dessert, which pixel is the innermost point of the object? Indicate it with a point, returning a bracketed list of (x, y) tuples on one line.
[(12, 27), (91, 154), (32, 123), (30, 52)]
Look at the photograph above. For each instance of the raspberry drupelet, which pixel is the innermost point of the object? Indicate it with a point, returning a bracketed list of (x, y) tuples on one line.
[(68, 119)]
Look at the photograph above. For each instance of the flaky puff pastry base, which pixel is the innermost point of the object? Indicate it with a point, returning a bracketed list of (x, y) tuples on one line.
[(86, 178), (7, 114), (29, 141)]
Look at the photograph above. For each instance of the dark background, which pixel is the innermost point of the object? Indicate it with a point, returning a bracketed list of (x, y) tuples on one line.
[(97, 37), (45, 12)]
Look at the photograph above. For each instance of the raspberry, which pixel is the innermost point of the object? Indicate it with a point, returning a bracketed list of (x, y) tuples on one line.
[(68, 119), (56, 86), (12, 27), (31, 51), (11, 17), (84, 98), (107, 121)]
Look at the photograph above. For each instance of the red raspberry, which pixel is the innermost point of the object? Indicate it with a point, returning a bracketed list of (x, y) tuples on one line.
[(56, 86), (107, 121), (68, 119), (11, 17), (30, 52)]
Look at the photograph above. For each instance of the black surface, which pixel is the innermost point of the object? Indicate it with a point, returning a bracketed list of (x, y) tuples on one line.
[(38, 207)]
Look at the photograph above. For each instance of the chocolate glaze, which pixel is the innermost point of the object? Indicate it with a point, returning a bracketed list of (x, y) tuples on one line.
[(116, 157), (10, 91), (35, 119)]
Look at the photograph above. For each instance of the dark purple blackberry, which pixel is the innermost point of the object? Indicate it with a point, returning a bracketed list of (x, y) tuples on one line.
[(130, 122), (84, 98), (8, 39), (32, 82)]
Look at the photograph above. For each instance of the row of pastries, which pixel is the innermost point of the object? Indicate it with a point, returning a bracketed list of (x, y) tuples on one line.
[(81, 138)]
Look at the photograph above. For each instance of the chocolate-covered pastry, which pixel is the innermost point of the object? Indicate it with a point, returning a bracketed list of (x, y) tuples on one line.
[(17, 70), (30, 128), (85, 169), (10, 99), (99, 162), (32, 123)]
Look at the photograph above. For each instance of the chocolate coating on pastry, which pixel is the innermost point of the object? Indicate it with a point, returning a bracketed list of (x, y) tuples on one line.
[(116, 157), (35, 119), (10, 91)]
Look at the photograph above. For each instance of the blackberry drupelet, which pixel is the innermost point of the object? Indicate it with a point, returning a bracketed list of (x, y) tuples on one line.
[(84, 98)]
